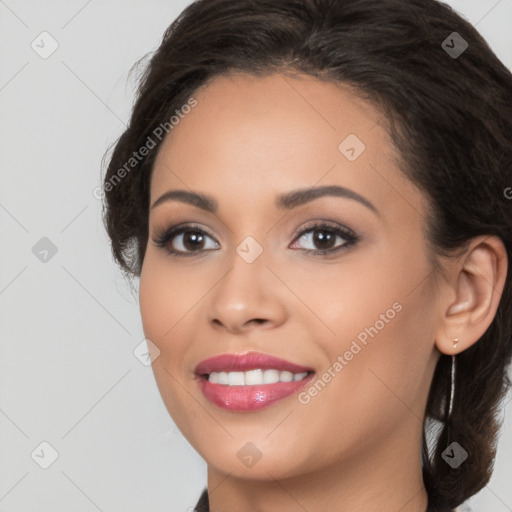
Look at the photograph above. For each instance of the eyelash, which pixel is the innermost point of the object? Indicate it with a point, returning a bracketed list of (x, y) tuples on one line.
[(164, 236)]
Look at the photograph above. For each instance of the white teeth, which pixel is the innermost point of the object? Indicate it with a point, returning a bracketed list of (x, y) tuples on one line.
[(286, 376), (270, 376), (223, 378), (236, 379), (254, 377)]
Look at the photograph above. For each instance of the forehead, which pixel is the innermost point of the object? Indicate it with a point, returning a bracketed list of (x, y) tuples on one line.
[(254, 137)]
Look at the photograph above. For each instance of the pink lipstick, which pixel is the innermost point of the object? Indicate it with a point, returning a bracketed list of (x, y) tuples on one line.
[(251, 381)]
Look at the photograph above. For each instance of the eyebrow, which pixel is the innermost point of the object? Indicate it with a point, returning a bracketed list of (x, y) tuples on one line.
[(286, 201)]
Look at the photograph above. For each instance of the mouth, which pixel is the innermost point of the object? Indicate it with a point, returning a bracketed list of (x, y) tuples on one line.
[(251, 381)]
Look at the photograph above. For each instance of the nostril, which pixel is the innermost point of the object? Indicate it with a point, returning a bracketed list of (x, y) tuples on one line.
[(259, 320)]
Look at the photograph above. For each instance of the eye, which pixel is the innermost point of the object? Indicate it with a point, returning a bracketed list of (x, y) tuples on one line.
[(184, 240), (324, 236)]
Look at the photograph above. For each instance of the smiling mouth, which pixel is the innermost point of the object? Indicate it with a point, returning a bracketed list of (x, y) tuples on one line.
[(261, 389), (250, 381)]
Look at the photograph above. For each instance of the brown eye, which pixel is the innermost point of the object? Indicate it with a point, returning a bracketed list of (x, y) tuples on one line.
[(323, 238), (192, 239), (185, 240)]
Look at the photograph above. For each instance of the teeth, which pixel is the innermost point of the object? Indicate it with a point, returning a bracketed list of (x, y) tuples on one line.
[(236, 379), (254, 377)]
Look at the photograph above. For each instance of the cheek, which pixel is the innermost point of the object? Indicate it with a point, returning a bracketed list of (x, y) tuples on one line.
[(382, 318), (369, 288), (165, 297), (353, 296), (163, 302)]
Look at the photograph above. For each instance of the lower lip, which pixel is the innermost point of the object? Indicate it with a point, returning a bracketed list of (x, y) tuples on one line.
[(249, 398)]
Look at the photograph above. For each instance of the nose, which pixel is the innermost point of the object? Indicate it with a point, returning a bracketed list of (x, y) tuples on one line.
[(248, 296)]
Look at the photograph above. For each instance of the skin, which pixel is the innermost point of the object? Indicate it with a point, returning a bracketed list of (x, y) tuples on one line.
[(356, 444)]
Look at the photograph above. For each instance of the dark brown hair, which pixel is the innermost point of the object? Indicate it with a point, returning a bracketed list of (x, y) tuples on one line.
[(449, 116)]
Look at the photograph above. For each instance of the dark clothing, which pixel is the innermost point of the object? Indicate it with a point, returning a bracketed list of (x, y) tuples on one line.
[(203, 504)]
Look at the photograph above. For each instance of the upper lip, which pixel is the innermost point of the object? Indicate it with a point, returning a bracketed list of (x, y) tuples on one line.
[(246, 362)]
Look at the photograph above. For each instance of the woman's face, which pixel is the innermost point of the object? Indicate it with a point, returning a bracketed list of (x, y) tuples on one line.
[(254, 275)]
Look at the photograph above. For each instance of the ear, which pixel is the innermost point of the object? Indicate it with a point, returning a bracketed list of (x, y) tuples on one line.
[(471, 294)]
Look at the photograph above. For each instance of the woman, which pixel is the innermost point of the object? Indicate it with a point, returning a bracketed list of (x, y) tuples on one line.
[(313, 194)]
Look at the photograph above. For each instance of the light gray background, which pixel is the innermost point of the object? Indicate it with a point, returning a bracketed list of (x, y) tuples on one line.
[(68, 375)]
